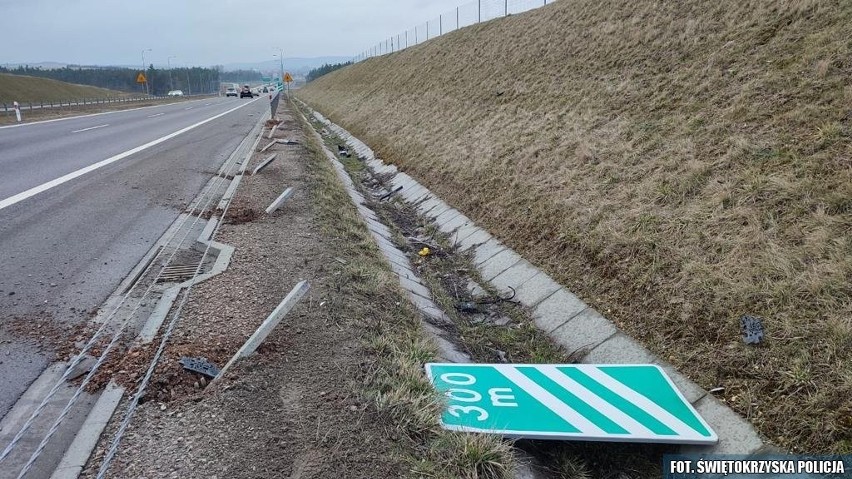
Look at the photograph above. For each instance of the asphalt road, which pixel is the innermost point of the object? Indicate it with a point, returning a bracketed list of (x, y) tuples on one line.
[(83, 199)]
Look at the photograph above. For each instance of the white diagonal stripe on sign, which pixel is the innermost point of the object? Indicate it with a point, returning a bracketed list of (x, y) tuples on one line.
[(660, 414), (550, 401), (598, 403)]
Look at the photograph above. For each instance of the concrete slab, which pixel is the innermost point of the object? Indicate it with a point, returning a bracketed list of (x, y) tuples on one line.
[(499, 263), (557, 309), (392, 253), (279, 201), (263, 164), (514, 276), (464, 231), (379, 228), (87, 437), (438, 211), (477, 238), (402, 180), (453, 224), (429, 204), (430, 310), (446, 216), (415, 194), (619, 349), (584, 331), (736, 435), (536, 289), (487, 250), (404, 272), (446, 350), (415, 287)]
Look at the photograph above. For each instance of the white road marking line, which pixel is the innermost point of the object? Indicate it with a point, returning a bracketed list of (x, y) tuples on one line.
[(90, 128), (599, 404), (75, 174), (86, 116), (156, 114), (660, 414), (207, 104), (551, 402), (188, 108)]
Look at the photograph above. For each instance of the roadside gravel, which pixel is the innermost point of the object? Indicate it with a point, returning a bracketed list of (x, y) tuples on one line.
[(290, 410)]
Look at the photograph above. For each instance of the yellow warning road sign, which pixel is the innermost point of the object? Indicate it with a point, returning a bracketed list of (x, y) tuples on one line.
[(287, 77), (140, 78)]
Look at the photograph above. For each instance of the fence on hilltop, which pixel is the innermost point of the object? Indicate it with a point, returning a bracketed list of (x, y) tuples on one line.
[(464, 15)]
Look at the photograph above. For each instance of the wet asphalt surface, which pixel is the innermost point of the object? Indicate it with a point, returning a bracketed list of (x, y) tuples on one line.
[(66, 249)]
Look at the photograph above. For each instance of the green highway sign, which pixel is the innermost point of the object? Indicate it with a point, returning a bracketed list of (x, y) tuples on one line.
[(581, 402)]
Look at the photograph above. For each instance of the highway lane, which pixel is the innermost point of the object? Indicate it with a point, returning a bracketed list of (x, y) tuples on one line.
[(65, 249), (40, 152)]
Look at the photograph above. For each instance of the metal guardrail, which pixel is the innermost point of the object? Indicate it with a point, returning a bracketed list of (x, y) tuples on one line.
[(273, 103), (9, 108)]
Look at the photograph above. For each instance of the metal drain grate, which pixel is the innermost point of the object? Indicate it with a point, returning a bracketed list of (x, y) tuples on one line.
[(176, 273)]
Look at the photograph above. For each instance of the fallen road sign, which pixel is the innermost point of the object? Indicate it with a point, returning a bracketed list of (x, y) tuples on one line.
[(580, 402)]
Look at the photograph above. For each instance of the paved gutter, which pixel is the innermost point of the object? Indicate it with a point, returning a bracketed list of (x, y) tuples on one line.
[(579, 329)]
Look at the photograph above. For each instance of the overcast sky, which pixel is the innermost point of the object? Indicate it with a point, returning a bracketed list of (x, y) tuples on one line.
[(201, 32)]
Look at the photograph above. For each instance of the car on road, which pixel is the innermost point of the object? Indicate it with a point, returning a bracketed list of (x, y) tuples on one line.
[(175, 93), (231, 91), (246, 92)]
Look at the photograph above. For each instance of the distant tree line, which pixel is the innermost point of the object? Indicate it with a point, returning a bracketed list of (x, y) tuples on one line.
[(327, 68), (241, 76), (189, 80)]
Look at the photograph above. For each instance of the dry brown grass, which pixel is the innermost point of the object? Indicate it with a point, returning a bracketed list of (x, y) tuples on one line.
[(676, 163)]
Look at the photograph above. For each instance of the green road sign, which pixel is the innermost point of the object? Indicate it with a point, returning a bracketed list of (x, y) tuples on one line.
[(621, 403)]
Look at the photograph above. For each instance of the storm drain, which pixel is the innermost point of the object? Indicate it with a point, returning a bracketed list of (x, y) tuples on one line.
[(177, 273)]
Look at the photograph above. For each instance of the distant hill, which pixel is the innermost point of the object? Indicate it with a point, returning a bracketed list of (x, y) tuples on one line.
[(296, 66), (23, 89)]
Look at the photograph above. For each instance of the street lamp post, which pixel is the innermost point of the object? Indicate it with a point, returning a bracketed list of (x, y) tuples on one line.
[(169, 62), (281, 58), (144, 70)]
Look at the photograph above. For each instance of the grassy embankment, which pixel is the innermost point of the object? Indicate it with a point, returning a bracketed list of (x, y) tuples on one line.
[(24, 89), (676, 164)]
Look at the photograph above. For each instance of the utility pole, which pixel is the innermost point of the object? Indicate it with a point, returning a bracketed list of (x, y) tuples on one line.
[(169, 62), (145, 70)]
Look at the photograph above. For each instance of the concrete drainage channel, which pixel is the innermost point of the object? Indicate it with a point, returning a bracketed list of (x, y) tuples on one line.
[(580, 331), (57, 420)]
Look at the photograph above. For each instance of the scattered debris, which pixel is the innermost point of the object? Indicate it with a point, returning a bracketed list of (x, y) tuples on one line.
[(752, 329), (426, 251), (286, 142), (716, 390), (468, 307), (200, 366), (340, 260), (343, 151)]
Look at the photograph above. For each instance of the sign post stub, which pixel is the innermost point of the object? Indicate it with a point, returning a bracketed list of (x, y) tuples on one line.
[(580, 402)]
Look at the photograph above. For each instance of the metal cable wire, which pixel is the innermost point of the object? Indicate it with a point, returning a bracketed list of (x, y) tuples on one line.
[(131, 407), (10, 447), (116, 336)]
